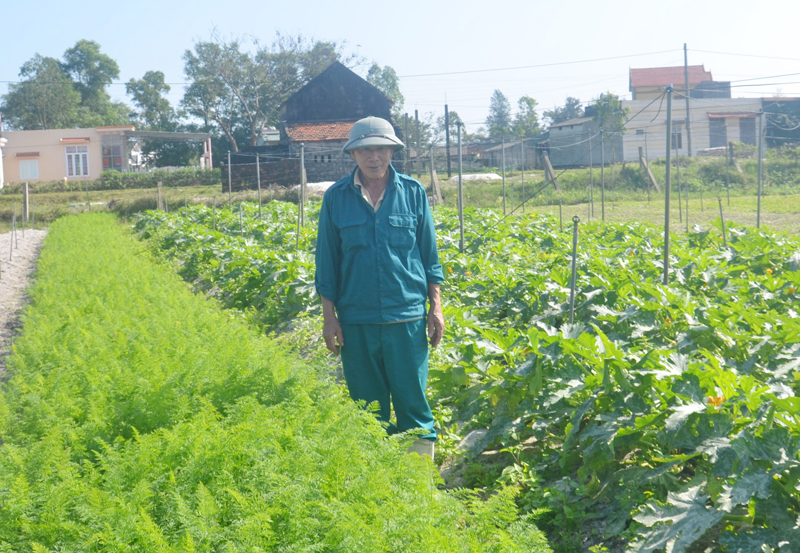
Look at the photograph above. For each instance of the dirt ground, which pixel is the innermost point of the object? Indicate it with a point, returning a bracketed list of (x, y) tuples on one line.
[(15, 277)]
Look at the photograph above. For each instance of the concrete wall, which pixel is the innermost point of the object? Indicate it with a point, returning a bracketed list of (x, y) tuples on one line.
[(651, 124)]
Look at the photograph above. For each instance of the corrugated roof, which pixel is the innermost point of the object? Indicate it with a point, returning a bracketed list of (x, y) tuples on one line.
[(314, 132), (662, 76)]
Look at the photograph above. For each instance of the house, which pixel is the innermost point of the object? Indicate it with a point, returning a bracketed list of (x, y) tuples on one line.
[(715, 119), (78, 154), (577, 143), (319, 117), (649, 83), (517, 155)]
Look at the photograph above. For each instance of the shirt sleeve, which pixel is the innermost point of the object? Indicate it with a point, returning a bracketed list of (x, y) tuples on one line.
[(328, 256), (426, 238)]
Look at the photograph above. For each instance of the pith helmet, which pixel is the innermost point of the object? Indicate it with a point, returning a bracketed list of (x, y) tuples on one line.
[(372, 131)]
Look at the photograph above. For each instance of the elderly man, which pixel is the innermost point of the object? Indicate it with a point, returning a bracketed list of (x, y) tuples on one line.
[(377, 263)]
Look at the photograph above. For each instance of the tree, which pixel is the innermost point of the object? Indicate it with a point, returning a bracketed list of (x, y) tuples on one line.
[(153, 112), (91, 72), (526, 122), (45, 99), (385, 80), (499, 119), (240, 92), (609, 113), (572, 110), (439, 130)]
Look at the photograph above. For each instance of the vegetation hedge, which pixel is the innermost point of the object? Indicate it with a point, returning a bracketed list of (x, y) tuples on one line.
[(114, 180), (140, 417)]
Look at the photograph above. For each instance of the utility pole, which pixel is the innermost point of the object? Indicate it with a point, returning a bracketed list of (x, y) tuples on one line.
[(667, 185), (688, 113), (447, 137), (417, 163)]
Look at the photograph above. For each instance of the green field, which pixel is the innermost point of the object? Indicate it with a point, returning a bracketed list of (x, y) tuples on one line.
[(661, 403)]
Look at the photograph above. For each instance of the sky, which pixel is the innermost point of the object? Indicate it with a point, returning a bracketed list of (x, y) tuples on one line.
[(445, 52)]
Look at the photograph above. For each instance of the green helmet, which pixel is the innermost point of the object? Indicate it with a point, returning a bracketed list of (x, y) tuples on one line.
[(372, 131)]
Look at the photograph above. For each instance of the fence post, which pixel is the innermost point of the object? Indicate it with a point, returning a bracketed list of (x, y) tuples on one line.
[(503, 154), (302, 184), (602, 176), (25, 203), (591, 179), (668, 184), (522, 170), (560, 216), (760, 159), (575, 221), (160, 197), (722, 219), (241, 221), (214, 215), (258, 180), (460, 191)]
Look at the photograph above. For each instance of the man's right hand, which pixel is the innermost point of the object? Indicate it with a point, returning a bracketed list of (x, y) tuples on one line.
[(331, 329), (332, 332)]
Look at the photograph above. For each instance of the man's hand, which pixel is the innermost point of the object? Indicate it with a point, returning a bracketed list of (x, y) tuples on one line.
[(435, 316), (331, 329)]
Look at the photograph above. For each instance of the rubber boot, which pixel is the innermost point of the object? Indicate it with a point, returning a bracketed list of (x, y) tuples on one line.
[(421, 447)]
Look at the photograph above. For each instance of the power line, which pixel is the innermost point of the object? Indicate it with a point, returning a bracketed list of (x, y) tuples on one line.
[(532, 66), (745, 55)]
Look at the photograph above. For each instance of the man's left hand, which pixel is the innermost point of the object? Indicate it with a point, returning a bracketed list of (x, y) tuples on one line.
[(435, 325)]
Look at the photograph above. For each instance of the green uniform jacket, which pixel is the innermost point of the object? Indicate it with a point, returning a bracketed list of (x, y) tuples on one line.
[(375, 266)]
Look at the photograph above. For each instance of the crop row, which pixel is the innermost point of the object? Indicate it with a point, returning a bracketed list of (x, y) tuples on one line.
[(141, 417), (665, 415)]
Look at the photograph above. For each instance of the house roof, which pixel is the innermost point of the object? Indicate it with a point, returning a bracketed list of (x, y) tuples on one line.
[(578, 121), (662, 76), (315, 132)]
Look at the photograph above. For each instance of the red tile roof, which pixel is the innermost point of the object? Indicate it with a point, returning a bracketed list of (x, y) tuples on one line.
[(662, 76), (313, 132)]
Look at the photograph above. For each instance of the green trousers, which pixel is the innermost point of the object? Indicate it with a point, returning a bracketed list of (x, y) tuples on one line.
[(388, 363)]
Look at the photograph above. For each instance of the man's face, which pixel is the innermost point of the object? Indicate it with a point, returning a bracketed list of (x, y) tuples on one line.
[(373, 160)]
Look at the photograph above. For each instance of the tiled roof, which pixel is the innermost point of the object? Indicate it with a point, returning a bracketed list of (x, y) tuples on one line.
[(662, 76), (313, 132)]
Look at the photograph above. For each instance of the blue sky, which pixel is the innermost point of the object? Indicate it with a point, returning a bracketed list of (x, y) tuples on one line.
[(735, 40)]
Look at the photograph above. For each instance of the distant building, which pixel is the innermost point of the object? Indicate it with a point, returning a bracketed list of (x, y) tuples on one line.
[(577, 143), (649, 83), (79, 154), (319, 116)]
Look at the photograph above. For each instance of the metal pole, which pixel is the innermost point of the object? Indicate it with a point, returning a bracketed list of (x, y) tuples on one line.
[(728, 171), (667, 185), (301, 203), (230, 193), (591, 179), (460, 191), (688, 112), (560, 216), (722, 219), (416, 158), (575, 221), (447, 138), (503, 150), (241, 221), (258, 180), (214, 215), (760, 164), (522, 170), (678, 177), (687, 209), (602, 175)]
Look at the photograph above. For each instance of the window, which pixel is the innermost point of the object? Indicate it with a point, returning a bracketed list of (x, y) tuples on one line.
[(640, 131), (77, 161), (29, 169), (747, 130), (112, 158), (717, 133)]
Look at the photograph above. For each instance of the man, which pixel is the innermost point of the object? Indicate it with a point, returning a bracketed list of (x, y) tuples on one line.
[(377, 263)]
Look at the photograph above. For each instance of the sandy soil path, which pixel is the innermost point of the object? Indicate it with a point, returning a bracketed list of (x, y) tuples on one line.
[(15, 277)]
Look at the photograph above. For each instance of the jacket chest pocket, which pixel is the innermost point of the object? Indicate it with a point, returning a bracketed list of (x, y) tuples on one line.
[(353, 233), (402, 231)]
